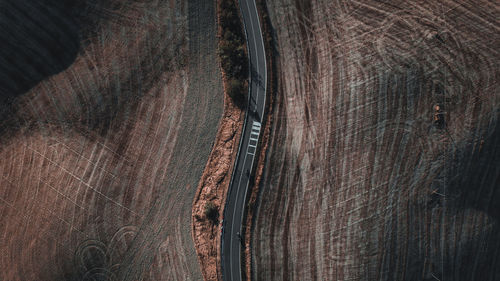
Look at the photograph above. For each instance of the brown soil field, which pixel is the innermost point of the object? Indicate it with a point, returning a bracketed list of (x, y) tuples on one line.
[(364, 178), (99, 162)]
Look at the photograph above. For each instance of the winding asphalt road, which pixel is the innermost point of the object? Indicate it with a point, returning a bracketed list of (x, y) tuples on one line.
[(231, 243)]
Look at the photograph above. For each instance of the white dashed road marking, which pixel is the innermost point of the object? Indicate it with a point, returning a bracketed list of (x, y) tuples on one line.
[(254, 138)]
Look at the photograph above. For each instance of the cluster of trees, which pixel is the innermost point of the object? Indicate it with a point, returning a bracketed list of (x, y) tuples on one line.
[(232, 51)]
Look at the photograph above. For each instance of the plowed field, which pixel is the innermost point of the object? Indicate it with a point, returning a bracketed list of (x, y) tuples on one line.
[(99, 163), (365, 179)]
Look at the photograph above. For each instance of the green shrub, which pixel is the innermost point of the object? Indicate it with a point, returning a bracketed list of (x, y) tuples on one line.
[(211, 211), (232, 51)]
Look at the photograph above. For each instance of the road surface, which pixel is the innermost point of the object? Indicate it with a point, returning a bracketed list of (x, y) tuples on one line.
[(240, 181)]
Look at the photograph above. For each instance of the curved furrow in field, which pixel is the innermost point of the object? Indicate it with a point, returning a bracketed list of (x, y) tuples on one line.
[(100, 162), (361, 183)]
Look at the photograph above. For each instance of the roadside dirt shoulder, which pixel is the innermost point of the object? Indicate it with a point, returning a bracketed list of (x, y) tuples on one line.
[(214, 183)]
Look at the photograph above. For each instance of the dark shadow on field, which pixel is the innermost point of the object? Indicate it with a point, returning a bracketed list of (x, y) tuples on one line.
[(473, 259), (39, 38), (474, 183), (471, 182), (474, 174)]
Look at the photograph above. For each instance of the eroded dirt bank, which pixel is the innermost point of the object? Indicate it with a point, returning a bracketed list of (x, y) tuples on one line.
[(361, 183), (213, 186)]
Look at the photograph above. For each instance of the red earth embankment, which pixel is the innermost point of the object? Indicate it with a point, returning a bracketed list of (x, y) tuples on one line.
[(213, 186)]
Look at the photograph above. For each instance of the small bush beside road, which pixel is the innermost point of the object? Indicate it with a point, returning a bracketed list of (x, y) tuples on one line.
[(211, 211)]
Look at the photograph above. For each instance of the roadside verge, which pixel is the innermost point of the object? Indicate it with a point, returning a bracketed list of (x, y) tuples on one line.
[(272, 80), (210, 197)]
